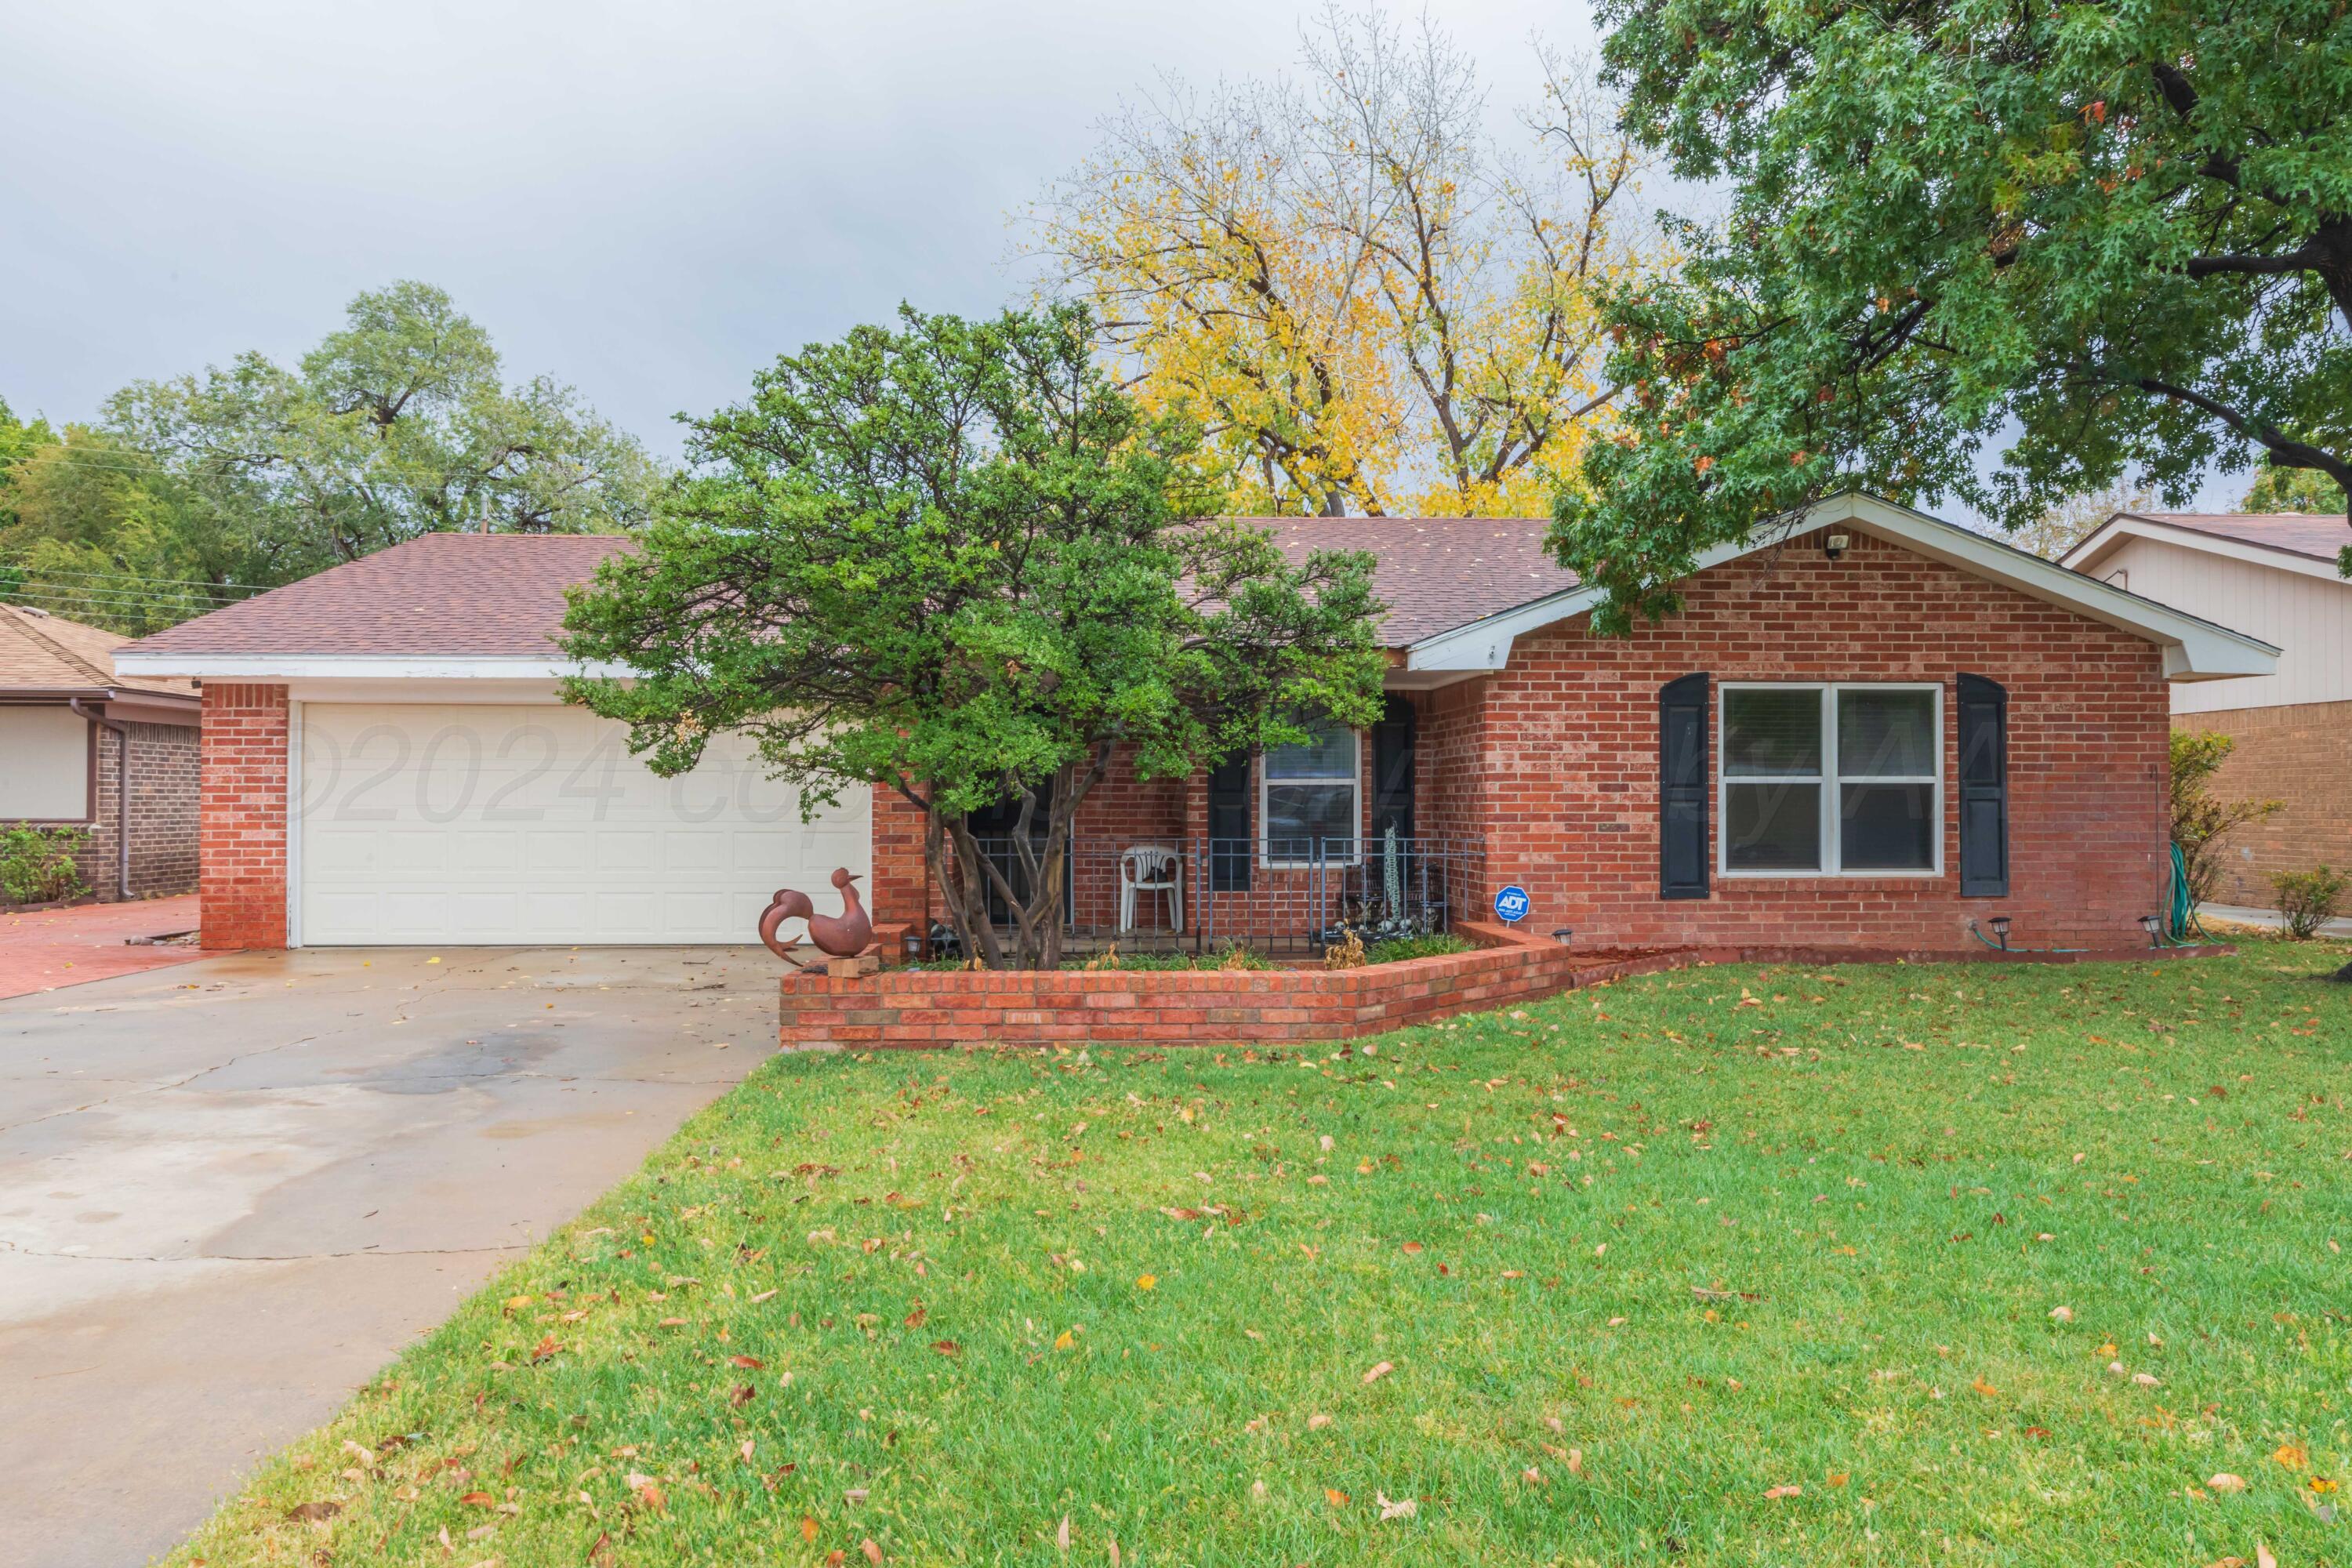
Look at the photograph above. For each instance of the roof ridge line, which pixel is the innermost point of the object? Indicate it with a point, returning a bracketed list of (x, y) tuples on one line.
[(23, 624)]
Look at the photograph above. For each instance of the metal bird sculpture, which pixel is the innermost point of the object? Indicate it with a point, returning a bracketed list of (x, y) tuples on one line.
[(844, 935)]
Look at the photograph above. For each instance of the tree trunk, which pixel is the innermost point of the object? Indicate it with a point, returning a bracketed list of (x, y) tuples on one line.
[(945, 842)]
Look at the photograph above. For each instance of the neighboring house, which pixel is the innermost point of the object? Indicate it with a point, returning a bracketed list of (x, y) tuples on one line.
[(2273, 574), (67, 723), (1865, 728)]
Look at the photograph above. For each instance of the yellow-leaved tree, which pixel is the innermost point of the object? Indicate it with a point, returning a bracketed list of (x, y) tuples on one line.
[(1366, 302)]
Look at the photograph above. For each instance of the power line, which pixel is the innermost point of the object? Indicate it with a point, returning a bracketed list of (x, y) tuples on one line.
[(205, 582), (34, 581), (115, 601)]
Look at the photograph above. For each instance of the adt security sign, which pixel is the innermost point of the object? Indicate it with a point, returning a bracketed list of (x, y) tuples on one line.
[(1511, 904)]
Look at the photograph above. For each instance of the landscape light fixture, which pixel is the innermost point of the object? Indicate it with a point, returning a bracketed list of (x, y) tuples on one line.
[(1562, 935), (2001, 930), (2154, 926)]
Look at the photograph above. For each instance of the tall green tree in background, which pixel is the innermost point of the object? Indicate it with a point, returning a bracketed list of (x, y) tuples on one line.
[(2294, 489), (191, 492), (399, 425), (2105, 240)]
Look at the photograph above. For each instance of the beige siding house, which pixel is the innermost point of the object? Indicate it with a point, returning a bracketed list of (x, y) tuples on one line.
[(2272, 575)]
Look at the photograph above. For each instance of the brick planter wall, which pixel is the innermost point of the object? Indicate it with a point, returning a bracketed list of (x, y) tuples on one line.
[(244, 737), (1073, 1006), (939, 1010)]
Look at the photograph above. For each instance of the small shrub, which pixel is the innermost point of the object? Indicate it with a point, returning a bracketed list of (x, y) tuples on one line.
[(36, 864), (1437, 944), (1347, 953), (2201, 820), (2308, 899)]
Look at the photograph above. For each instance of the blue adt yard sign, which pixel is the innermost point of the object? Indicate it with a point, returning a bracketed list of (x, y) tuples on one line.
[(1511, 904)]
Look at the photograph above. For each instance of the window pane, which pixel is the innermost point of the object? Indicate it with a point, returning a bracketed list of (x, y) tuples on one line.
[(1887, 828), (1330, 755), (1886, 735), (1772, 827), (1771, 735), (1297, 815)]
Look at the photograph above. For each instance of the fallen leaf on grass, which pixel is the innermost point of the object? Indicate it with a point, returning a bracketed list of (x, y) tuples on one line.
[(1146, 1282), (1063, 1341), (1335, 1496), (872, 1553), (808, 1528), (484, 1499), (1378, 1372), (1402, 1508), (314, 1511), (1318, 1421), (945, 1347), (2226, 1482), (1062, 1536), (2293, 1457), (747, 1363), (1779, 1492), (1411, 1249)]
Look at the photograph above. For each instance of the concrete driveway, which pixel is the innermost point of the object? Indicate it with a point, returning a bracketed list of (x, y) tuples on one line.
[(232, 1190)]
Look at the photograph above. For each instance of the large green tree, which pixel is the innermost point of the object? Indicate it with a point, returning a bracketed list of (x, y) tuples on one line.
[(952, 559), (1982, 252), (398, 425)]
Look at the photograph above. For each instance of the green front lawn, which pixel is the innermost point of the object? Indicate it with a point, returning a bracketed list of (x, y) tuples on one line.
[(1939, 1265)]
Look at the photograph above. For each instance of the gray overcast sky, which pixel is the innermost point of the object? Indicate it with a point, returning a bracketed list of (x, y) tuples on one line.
[(644, 200)]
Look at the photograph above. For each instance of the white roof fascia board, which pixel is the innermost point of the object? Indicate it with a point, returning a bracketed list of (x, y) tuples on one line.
[(2116, 530), (1485, 645), (355, 667), (2195, 650)]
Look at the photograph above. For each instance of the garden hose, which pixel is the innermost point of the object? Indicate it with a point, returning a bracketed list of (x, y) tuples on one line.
[(2181, 927)]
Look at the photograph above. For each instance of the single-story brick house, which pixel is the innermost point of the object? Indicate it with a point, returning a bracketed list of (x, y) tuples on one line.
[(68, 724), (2273, 574), (1866, 728)]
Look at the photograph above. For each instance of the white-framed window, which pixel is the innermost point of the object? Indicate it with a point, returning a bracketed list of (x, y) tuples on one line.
[(45, 760), (1828, 780), (1310, 793)]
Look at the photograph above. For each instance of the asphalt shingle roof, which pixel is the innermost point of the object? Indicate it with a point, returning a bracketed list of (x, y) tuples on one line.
[(501, 594), (454, 595), (42, 652), (2316, 534)]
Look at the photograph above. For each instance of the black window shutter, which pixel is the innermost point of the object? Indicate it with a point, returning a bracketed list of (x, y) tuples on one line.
[(1984, 788), (1229, 854), (1682, 788)]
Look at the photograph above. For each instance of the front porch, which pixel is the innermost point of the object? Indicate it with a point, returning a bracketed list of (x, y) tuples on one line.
[(1146, 893)]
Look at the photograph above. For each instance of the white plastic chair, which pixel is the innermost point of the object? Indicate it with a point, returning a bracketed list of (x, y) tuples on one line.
[(1149, 869)]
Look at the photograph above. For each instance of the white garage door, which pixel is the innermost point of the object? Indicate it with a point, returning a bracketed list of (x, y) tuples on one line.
[(465, 824)]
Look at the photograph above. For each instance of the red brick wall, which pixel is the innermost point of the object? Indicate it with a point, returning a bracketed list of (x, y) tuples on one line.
[(164, 766), (1553, 762), (2300, 754), (1561, 760), (1076, 1007), (243, 809)]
